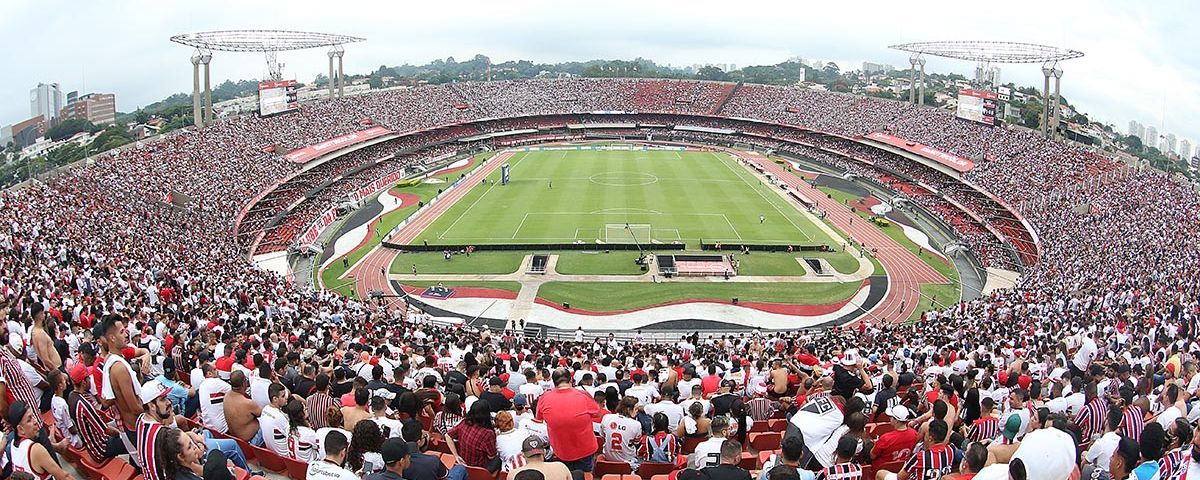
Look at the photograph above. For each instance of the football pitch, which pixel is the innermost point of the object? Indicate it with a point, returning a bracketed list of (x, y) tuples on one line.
[(652, 197)]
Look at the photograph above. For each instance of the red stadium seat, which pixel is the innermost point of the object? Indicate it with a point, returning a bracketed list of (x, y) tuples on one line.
[(296, 469), (651, 469), (605, 467), (765, 441)]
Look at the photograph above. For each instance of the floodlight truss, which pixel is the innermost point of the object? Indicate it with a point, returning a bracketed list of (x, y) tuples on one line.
[(261, 40), (991, 51)]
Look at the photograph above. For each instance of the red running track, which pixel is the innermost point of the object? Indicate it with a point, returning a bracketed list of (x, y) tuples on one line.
[(371, 271), (905, 271)]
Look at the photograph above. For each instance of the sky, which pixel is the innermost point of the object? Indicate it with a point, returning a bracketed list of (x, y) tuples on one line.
[(1141, 58)]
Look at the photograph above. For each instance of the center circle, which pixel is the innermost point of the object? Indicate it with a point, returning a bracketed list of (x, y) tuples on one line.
[(623, 179)]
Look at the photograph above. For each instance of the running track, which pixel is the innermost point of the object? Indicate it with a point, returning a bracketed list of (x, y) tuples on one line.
[(371, 270), (904, 270)]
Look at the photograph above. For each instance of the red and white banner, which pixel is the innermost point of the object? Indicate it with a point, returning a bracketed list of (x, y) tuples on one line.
[(376, 186), (310, 152), (984, 94), (313, 231), (951, 160)]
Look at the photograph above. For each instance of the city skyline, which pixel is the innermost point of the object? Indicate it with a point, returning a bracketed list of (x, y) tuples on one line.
[(1149, 66)]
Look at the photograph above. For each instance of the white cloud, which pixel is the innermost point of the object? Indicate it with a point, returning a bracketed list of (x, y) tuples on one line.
[(1140, 57)]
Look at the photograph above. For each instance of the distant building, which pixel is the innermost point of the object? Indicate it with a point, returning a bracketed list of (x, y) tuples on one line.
[(27, 132), (987, 75), (1137, 129), (1170, 143), (1151, 138), (873, 68), (46, 100), (98, 108), (1185, 149)]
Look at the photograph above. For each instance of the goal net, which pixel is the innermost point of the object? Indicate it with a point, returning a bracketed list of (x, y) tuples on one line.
[(627, 233)]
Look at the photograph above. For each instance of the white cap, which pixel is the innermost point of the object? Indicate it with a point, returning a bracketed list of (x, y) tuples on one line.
[(153, 390), (898, 413), (850, 357)]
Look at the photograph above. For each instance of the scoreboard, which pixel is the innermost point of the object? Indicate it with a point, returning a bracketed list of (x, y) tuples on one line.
[(978, 106), (277, 97)]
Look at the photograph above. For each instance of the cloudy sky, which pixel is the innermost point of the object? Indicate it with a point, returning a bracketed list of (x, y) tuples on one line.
[(1142, 61)]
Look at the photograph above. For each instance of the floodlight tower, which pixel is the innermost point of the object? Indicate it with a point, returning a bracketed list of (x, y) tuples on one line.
[(992, 52), (269, 42)]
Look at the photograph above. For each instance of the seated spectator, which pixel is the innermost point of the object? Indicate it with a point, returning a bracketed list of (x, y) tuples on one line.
[(660, 446), (727, 468), (843, 468), (335, 445), (363, 456), (534, 451), (708, 452), (396, 459), (473, 442)]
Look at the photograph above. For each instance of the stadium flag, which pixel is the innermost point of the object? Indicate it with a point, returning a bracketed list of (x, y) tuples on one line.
[(177, 198)]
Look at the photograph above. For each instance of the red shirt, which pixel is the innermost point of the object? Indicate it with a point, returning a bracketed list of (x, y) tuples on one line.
[(568, 414), (710, 384), (893, 446)]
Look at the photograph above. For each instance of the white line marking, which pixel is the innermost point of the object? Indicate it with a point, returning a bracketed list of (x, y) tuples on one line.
[(764, 197), (518, 230), (731, 227)]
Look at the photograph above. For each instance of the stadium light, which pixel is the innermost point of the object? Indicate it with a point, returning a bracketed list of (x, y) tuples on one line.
[(986, 52), (270, 43)]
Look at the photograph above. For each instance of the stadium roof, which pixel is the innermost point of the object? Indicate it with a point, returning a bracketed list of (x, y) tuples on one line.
[(991, 51), (261, 40)]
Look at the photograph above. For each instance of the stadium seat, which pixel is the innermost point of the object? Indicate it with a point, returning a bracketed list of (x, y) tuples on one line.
[(477, 473), (614, 476), (748, 461), (447, 460), (876, 430), (661, 477), (653, 469), (765, 441), (765, 455), (269, 460), (115, 469), (760, 427), (247, 448), (296, 469), (689, 444), (606, 467), (777, 425)]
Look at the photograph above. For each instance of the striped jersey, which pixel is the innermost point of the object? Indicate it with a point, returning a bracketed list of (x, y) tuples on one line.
[(931, 463), (1173, 464), (316, 406), (147, 432), (841, 471), (1131, 422), (661, 447), (90, 420), (1091, 418), (985, 428), (18, 386)]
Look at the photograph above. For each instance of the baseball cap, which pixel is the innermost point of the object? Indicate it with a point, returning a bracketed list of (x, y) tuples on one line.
[(80, 372), (153, 390), (394, 450), (898, 413), (850, 357), (533, 446), (1012, 427), (520, 400)]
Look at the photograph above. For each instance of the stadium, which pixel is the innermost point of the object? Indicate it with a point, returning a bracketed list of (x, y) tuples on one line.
[(679, 229)]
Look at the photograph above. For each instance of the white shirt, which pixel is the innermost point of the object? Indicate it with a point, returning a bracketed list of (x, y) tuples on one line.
[(672, 410), (708, 453), (258, 391), (275, 429), (303, 445), (390, 426), (508, 447), (319, 442), (1086, 353), (322, 470), (211, 392), (106, 391), (621, 437)]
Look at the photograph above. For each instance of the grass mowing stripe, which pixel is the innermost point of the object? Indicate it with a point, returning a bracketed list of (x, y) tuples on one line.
[(763, 195), (613, 296)]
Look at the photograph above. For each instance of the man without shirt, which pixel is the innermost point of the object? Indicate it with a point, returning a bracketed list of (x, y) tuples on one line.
[(241, 412)]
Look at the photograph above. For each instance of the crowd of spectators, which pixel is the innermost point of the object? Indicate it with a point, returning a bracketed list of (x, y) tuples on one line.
[(139, 326)]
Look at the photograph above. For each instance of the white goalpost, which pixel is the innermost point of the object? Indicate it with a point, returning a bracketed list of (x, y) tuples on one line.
[(627, 233)]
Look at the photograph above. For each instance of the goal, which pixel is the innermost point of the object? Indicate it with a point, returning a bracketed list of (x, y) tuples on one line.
[(627, 233)]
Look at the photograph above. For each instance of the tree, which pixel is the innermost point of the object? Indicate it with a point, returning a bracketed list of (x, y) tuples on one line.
[(1133, 142), (710, 72), (70, 127)]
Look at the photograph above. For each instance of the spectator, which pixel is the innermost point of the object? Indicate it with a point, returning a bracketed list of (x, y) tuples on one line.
[(568, 414), (534, 451), (335, 445), (396, 460), (473, 441), (727, 468)]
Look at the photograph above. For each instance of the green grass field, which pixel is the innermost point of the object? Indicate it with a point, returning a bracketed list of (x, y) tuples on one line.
[(610, 296), (665, 196)]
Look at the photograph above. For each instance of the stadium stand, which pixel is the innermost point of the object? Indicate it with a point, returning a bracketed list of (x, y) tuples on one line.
[(1104, 319)]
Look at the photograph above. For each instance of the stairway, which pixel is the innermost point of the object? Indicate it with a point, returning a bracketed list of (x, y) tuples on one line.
[(729, 96)]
